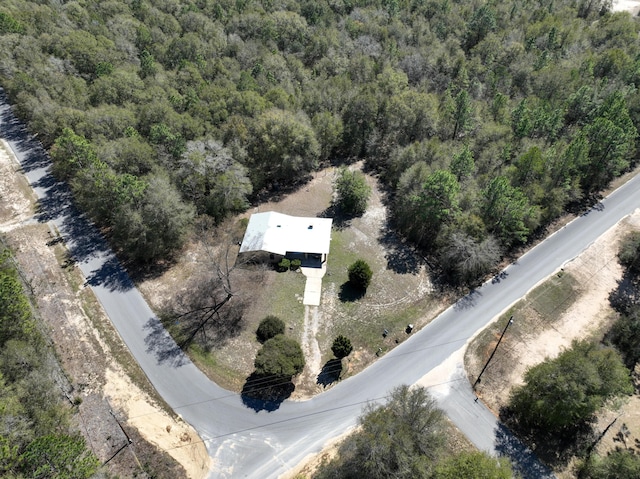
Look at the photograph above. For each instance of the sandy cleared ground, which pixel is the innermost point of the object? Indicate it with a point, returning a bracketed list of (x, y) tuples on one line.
[(632, 6), (597, 272)]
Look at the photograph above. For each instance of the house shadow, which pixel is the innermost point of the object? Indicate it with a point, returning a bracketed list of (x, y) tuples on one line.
[(330, 373), (349, 293), (262, 393)]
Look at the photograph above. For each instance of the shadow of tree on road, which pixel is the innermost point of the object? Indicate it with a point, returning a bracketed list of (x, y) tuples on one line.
[(330, 373), (468, 301), (54, 203), (524, 461), (13, 130), (162, 345), (111, 276), (553, 448), (266, 393)]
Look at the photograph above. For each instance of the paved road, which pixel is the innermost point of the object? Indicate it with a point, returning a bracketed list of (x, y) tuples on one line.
[(254, 440)]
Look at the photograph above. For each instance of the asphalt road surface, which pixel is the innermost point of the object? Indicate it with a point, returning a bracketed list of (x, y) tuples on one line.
[(265, 440)]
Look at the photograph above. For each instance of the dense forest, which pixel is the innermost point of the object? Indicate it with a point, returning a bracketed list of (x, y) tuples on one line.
[(484, 120)]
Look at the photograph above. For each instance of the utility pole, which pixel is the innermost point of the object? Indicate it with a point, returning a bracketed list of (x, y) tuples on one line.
[(494, 352), (128, 443)]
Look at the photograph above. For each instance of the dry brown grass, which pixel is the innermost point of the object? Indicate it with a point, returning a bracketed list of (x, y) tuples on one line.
[(400, 292)]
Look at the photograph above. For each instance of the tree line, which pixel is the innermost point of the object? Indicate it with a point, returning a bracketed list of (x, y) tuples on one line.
[(484, 120), (37, 438)]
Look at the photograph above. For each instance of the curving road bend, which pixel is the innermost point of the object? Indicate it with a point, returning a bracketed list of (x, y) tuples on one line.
[(246, 443)]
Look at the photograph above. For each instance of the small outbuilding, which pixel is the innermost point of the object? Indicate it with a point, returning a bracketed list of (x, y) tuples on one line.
[(271, 236)]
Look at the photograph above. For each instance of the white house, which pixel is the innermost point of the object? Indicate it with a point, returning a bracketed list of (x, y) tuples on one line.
[(275, 235)]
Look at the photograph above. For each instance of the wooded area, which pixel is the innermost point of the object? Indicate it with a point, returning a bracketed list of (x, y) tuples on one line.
[(485, 120), (407, 438), (36, 435)]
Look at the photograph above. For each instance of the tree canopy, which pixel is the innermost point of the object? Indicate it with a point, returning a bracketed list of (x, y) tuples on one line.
[(269, 327), (341, 347), (360, 274), (279, 357), (36, 436), (352, 192), (625, 331), (530, 107), (474, 465), (561, 394), (618, 464), (400, 439)]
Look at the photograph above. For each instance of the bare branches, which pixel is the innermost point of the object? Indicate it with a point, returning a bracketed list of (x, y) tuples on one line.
[(208, 309)]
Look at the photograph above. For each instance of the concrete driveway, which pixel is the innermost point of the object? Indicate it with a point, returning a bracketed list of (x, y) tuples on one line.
[(313, 286)]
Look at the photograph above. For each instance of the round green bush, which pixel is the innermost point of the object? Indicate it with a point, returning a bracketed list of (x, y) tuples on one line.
[(360, 274), (284, 265), (341, 347), (269, 327), (279, 357)]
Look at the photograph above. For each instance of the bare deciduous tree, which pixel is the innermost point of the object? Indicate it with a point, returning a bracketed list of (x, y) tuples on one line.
[(210, 307)]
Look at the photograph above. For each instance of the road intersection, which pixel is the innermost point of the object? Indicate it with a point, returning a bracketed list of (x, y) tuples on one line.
[(263, 443)]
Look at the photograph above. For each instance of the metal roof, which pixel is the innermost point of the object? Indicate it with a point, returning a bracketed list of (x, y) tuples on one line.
[(281, 234)]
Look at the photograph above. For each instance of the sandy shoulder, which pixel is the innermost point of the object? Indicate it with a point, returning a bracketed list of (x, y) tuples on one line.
[(96, 377)]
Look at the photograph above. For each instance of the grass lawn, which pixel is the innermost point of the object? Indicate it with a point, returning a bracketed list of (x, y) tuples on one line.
[(399, 293), (283, 298)]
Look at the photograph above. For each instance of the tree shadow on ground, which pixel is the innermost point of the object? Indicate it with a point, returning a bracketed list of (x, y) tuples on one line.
[(556, 449), (349, 293), (626, 296), (162, 345), (204, 312), (402, 257), (523, 460), (330, 373), (140, 271), (340, 219), (266, 393)]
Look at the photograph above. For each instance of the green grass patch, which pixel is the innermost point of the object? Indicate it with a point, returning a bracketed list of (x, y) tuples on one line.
[(284, 298), (340, 256), (223, 376), (366, 332), (554, 296)]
